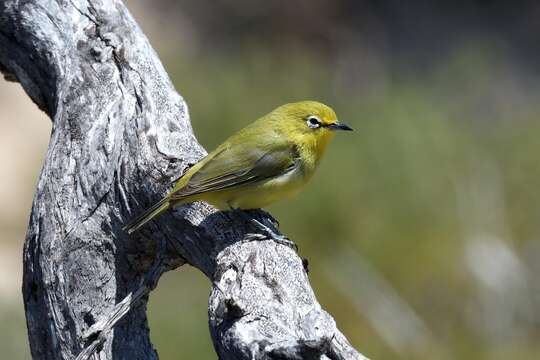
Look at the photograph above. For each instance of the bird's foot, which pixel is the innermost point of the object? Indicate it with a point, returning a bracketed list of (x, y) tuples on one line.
[(270, 218), (280, 239)]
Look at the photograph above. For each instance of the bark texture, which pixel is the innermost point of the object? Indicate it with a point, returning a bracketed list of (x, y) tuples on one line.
[(121, 134)]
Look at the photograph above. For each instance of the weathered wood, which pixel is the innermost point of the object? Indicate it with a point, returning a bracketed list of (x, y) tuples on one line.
[(121, 134)]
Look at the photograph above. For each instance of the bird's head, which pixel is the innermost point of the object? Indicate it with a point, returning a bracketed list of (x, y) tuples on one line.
[(309, 121)]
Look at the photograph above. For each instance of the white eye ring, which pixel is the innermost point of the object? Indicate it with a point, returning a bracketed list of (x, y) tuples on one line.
[(313, 122)]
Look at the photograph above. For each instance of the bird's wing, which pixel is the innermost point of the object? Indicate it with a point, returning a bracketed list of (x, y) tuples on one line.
[(240, 165)]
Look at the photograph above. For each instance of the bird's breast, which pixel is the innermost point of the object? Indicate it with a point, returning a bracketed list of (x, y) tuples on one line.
[(269, 191)]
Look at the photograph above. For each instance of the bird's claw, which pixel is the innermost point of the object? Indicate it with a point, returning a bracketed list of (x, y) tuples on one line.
[(280, 239)]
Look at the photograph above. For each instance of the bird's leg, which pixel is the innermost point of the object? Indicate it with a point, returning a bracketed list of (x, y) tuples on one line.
[(239, 213), (280, 239), (267, 229), (270, 218)]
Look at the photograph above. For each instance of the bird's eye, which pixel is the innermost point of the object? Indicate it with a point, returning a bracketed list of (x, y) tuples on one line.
[(313, 122)]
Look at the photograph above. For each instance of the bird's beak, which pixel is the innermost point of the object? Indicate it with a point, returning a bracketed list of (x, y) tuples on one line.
[(339, 126)]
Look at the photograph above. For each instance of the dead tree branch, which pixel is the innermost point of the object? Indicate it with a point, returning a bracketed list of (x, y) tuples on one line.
[(120, 134)]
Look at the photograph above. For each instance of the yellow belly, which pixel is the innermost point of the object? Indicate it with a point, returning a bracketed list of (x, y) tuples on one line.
[(257, 195)]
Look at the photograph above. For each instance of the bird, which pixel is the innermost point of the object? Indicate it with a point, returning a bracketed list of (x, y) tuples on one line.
[(266, 161)]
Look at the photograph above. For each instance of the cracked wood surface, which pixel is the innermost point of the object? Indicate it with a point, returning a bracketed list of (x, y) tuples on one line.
[(121, 134)]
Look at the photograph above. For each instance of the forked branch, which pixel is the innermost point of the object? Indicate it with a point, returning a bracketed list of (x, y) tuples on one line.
[(121, 133)]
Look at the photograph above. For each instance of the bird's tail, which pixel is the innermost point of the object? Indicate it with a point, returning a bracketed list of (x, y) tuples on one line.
[(156, 209)]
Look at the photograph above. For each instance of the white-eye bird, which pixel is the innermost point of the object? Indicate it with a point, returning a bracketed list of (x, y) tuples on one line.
[(268, 160)]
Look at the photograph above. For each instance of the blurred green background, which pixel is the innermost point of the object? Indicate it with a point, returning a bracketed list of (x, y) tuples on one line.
[(421, 227)]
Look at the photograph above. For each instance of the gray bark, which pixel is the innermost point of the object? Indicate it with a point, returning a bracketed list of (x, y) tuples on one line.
[(121, 134)]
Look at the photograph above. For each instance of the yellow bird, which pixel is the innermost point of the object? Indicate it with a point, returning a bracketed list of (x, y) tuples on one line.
[(266, 161)]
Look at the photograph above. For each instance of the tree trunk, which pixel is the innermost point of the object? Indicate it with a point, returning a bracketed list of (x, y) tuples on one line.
[(120, 136)]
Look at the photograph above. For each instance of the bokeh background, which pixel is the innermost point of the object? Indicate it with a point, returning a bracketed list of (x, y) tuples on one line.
[(422, 227)]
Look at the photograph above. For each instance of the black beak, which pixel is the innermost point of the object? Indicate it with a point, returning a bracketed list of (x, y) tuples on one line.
[(339, 126)]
